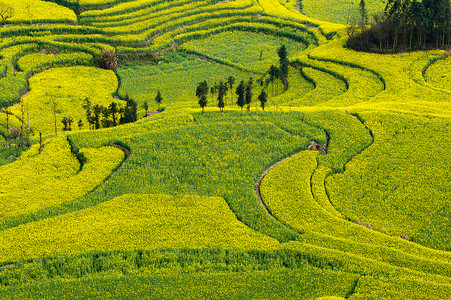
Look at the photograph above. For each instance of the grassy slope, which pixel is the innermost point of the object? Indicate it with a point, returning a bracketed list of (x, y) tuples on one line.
[(396, 105)]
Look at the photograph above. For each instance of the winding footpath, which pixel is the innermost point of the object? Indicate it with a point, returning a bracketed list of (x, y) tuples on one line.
[(262, 176)]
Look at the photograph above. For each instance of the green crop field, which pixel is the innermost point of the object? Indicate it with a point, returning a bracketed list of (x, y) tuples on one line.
[(206, 149)]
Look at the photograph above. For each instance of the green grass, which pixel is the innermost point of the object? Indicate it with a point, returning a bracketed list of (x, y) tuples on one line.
[(379, 185), (336, 11), (309, 283), (388, 167), (231, 151), (40, 180), (244, 49), (57, 86), (134, 221), (438, 74), (177, 79)]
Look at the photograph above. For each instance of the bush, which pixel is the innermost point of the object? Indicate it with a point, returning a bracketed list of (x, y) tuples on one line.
[(108, 60)]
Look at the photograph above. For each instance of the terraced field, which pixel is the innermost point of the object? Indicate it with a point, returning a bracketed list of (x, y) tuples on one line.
[(338, 189)]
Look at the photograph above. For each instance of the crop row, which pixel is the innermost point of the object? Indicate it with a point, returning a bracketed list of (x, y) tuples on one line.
[(134, 221), (286, 190), (162, 9), (53, 176), (37, 11), (141, 7), (377, 179)]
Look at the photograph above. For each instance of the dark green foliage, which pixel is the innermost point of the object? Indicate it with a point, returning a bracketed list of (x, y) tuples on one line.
[(145, 106), (231, 82), (284, 64), (106, 122), (114, 110), (158, 99), (130, 112), (222, 91), (240, 91), (274, 73), (263, 98), (201, 93), (67, 122), (96, 118), (408, 24), (248, 97)]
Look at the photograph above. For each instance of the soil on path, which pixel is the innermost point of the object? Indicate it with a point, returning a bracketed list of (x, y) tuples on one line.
[(313, 146)]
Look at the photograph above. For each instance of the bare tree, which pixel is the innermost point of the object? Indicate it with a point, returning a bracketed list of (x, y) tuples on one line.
[(6, 12)]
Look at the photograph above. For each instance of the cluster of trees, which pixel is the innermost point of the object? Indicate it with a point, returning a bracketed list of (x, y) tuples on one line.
[(244, 91), (406, 24), (17, 137), (100, 116)]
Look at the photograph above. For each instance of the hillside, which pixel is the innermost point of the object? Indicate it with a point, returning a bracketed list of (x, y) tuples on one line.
[(327, 177)]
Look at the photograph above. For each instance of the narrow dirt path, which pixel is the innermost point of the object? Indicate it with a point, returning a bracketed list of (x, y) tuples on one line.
[(6, 266), (127, 156), (262, 176)]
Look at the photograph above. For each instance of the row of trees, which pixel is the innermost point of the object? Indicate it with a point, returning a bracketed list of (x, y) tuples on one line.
[(99, 116), (406, 24), (244, 91)]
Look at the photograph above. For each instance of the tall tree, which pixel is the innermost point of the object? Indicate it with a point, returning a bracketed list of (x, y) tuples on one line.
[(240, 91), (231, 82), (158, 99), (284, 63), (201, 93), (106, 122), (248, 96), (113, 110), (222, 90), (130, 111), (263, 98), (145, 106), (97, 111), (273, 74)]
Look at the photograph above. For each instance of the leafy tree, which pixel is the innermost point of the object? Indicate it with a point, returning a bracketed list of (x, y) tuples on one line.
[(213, 90), (240, 91), (248, 96), (158, 99), (145, 106), (130, 111), (80, 124), (106, 122), (263, 98), (231, 82), (284, 64), (64, 121), (96, 118), (108, 59), (273, 74), (113, 110), (201, 93), (70, 120), (6, 12), (222, 90), (412, 24), (7, 112)]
